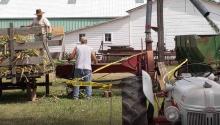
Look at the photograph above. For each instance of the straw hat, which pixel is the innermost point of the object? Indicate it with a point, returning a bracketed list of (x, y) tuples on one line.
[(39, 12)]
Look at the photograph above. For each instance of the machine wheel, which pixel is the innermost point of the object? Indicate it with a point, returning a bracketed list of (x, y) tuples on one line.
[(0, 87), (134, 107)]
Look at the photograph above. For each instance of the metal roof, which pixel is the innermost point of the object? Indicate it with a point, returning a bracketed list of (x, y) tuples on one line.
[(62, 8), (98, 24), (69, 24), (206, 2)]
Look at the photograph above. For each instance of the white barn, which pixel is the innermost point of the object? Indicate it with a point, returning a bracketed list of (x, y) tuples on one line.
[(180, 18)]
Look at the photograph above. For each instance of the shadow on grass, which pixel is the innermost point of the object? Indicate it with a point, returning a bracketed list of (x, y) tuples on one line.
[(19, 96), (66, 96), (53, 121), (96, 93), (9, 97)]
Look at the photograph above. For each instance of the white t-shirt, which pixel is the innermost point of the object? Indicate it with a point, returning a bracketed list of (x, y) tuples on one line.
[(83, 57), (44, 22)]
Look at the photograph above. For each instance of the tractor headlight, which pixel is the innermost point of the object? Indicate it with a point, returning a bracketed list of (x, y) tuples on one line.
[(171, 113)]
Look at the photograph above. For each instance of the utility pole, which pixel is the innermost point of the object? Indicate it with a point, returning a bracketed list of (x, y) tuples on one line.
[(160, 24)]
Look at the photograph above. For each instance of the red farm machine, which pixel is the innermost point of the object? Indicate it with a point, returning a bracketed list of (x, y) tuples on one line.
[(190, 99)]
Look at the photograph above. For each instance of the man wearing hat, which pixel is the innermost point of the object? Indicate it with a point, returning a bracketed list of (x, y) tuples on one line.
[(42, 21)]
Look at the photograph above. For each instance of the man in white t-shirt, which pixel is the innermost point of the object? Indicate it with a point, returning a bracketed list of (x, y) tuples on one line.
[(84, 56)]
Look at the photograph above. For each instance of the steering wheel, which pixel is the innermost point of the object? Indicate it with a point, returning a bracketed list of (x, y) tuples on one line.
[(195, 69)]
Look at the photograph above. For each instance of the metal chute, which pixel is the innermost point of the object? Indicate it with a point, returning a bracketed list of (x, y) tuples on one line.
[(202, 9)]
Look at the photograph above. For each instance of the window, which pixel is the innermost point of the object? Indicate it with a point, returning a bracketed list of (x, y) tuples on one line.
[(139, 1), (71, 1), (4, 1), (108, 37), (81, 35)]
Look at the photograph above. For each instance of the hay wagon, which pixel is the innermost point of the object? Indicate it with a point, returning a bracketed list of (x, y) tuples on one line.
[(24, 57)]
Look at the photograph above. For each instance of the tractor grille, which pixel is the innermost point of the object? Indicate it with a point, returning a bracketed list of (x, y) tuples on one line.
[(198, 118)]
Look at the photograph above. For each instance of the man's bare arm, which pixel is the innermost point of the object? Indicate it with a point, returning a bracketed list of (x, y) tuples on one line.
[(94, 58), (72, 55), (47, 23), (49, 29)]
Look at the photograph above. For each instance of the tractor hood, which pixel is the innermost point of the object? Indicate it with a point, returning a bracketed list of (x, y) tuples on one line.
[(197, 93)]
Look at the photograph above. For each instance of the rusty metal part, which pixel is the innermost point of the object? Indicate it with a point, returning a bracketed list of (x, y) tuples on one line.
[(131, 65), (110, 55), (148, 38)]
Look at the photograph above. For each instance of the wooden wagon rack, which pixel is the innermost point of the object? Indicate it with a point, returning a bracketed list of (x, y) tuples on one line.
[(17, 80)]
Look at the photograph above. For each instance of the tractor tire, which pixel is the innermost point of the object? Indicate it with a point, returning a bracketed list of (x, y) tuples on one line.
[(0, 92), (134, 106), (1, 87)]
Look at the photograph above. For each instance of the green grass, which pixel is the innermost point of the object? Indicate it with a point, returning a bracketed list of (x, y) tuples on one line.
[(58, 109)]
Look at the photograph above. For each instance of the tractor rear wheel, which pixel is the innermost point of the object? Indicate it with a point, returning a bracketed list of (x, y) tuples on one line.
[(134, 107), (0, 87), (0, 92)]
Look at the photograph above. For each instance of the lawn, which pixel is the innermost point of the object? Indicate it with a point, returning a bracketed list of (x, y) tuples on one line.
[(58, 109)]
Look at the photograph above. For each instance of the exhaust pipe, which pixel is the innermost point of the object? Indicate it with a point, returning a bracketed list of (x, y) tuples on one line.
[(202, 9)]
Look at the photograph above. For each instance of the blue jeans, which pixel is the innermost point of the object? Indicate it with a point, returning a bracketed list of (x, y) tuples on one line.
[(79, 73)]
